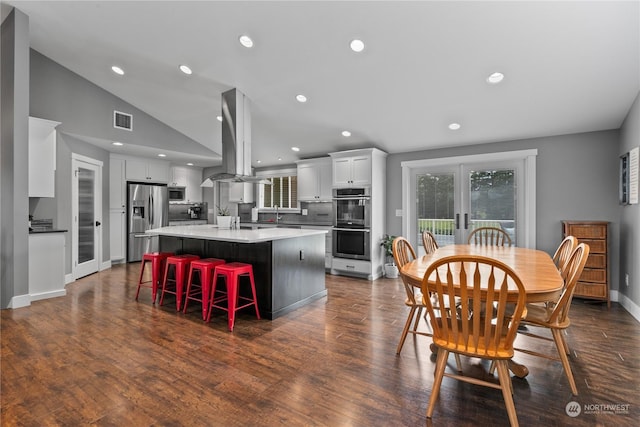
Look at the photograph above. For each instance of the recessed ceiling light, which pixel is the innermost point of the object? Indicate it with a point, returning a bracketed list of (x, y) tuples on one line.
[(301, 98), (246, 41), (185, 69), (117, 70), (117, 143), (346, 133), (495, 78), (162, 155), (357, 45), (219, 118), (454, 126), (189, 164), (295, 149), (279, 159), (258, 161)]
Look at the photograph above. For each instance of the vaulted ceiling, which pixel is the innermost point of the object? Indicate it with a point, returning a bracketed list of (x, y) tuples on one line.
[(569, 67)]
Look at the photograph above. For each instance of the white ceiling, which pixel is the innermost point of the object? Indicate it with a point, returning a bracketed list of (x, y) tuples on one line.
[(570, 67)]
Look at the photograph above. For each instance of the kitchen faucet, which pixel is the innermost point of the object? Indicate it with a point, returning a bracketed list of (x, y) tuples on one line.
[(278, 217)]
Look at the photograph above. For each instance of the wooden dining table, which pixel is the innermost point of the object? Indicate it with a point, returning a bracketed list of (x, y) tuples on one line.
[(536, 269)]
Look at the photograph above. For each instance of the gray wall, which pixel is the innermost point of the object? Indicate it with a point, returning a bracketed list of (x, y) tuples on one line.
[(576, 178), (14, 112), (85, 109), (630, 214)]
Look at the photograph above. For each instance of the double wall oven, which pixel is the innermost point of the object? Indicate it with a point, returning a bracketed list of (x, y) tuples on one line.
[(351, 223)]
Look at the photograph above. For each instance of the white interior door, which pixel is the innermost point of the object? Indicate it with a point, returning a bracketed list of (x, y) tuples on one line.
[(86, 195)]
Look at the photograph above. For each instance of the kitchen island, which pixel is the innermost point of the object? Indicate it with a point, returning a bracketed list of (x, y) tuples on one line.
[(288, 264)]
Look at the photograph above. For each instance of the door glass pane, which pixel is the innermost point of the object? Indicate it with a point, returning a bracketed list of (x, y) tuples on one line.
[(492, 200), (435, 206), (86, 215)]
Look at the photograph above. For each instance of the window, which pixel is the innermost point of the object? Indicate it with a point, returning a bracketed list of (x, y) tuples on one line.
[(282, 192)]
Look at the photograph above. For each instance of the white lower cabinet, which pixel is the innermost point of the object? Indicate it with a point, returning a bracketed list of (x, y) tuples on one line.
[(46, 265), (117, 235)]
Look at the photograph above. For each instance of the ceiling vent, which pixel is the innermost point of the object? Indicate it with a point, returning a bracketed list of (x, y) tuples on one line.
[(122, 120)]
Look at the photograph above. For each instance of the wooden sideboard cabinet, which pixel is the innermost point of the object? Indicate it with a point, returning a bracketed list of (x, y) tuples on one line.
[(594, 281)]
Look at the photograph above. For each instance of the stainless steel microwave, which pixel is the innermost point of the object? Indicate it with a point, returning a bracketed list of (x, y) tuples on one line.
[(177, 194)]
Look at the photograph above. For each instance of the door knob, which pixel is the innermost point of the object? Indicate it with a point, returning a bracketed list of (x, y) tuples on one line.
[(98, 223)]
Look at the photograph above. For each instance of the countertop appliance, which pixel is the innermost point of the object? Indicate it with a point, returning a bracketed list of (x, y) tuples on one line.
[(147, 208)]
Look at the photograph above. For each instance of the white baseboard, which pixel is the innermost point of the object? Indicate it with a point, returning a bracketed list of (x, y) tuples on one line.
[(68, 278), (48, 294), (105, 265), (629, 305), (20, 301)]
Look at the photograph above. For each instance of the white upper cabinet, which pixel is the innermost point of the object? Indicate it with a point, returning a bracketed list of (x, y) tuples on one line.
[(42, 157), (178, 176), (314, 179), (146, 170), (190, 178), (351, 170), (241, 192)]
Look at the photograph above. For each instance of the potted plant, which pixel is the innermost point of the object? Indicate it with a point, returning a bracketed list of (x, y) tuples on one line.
[(390, 267), (224, 218)]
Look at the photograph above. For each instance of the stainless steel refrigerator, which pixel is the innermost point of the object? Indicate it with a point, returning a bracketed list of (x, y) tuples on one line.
[(147, 208)]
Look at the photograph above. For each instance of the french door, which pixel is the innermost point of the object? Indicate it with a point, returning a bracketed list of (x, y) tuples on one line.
[(86, 196), (450, 197)]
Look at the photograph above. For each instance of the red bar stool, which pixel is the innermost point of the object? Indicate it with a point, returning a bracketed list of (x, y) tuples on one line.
[(157, 260), (200, 292), (232, 272), (180, 265)]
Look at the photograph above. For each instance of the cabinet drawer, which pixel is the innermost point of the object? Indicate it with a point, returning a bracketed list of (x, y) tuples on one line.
[(594, 275), (596, 261), (595, 246), (587, 231), (351, 265), (591, 290)]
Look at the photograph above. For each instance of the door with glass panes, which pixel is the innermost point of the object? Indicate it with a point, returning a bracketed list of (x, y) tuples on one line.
[(86, 215), (451, 201)]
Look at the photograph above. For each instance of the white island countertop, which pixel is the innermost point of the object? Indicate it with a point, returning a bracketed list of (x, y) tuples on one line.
[(212, 232)]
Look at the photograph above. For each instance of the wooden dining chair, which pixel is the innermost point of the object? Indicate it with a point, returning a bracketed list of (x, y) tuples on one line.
[(556, 317), (489, 236), (480, 284), (403, 253), (429, 242), (563, 253)]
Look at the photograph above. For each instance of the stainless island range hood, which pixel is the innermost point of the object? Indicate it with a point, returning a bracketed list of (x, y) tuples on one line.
[(236, 141)]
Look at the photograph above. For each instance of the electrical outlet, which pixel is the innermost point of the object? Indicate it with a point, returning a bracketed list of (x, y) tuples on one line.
[(626, 279)]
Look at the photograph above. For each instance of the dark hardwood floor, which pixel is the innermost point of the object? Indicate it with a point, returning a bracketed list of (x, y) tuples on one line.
[(97, 357)]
